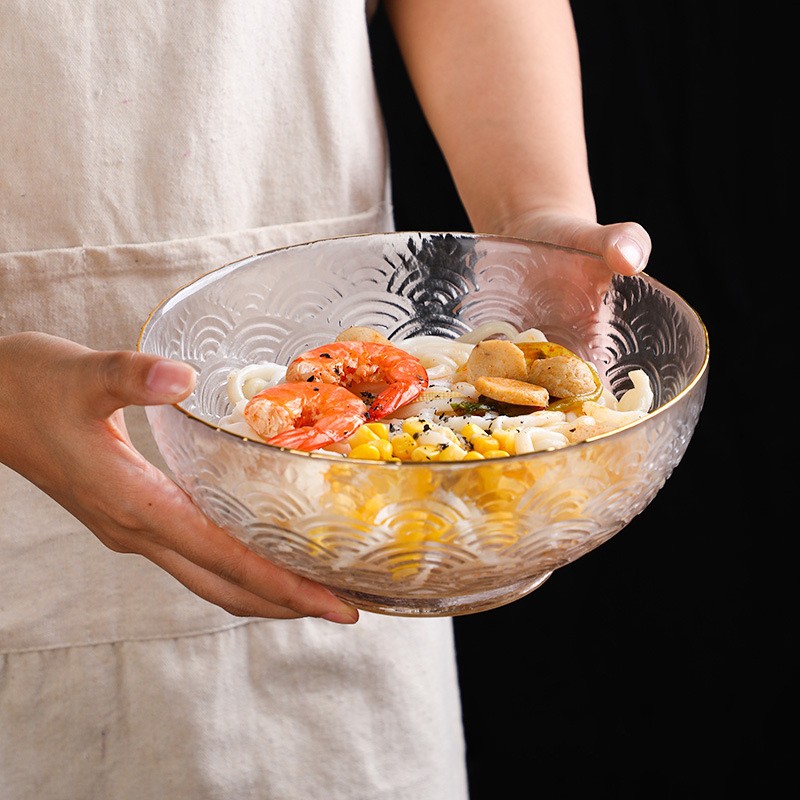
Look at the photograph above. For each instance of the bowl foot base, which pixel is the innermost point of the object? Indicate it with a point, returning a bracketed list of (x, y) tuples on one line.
[(455, 606)]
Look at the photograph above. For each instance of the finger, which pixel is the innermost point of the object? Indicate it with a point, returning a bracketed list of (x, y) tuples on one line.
[(171, 532), (218, 553), (243, 603), (139, 510), (625, 247), (121, 378)]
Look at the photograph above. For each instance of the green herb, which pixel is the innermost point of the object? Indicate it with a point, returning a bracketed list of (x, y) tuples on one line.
[(469, 408)]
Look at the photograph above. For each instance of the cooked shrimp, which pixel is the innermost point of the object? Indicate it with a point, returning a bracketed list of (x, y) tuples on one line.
[(305, 416), (356, 362)]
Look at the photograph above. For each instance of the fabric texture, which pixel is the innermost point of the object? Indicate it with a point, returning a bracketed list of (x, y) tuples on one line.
[(166, 140)]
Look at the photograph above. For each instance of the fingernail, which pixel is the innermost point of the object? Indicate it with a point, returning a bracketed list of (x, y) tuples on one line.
[(631, 252), (346, 617), (170, 378)]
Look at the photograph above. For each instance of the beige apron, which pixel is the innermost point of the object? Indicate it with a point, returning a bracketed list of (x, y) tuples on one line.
[(142, 144)]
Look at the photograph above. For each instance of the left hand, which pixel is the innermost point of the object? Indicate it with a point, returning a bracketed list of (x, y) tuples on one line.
[(624, 246)]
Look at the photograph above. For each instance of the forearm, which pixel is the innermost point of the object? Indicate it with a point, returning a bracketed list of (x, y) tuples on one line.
[(499, 82)]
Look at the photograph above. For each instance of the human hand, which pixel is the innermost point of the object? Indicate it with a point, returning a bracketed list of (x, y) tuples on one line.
[(624, 246), (73, 444)]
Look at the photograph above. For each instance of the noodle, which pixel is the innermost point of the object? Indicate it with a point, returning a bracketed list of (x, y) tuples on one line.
[(438, 424)]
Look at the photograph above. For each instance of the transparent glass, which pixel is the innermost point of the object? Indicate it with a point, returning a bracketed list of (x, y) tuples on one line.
[(426, 539)]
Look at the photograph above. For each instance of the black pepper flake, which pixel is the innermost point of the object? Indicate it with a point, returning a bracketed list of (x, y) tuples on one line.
[(310, 380), (325, 355)]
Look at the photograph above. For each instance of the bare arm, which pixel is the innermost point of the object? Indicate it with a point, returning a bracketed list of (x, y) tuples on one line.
[(499, 82)]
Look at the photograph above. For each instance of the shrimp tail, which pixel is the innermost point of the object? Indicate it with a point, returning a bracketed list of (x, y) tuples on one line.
[(327, 429), (306, 438), (395, 396)]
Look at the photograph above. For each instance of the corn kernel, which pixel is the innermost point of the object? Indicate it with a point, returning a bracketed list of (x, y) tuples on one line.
[(369, 432), (495, 454), (368, 450), (362, 435), (484, 443), (471, 430), (403, 445), (506, 438), (380, 429), (385, 449), (473, 455), (372, 507), (453, 452), (426, 452), (413, 425)]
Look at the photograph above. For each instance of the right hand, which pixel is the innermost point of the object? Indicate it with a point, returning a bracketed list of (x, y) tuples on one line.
[(62, 428)]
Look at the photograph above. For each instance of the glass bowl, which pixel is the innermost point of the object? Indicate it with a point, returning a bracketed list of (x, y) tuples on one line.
[(425, 539)]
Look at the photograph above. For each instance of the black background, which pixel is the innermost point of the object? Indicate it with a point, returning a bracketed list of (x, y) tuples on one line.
[(651, 666)]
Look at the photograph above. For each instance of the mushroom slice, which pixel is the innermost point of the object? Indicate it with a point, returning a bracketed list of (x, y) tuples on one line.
[(498, 358), (514, 392), (361, 333)]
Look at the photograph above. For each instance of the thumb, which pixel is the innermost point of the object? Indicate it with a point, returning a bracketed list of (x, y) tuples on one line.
[(123, 378), (625, 246)]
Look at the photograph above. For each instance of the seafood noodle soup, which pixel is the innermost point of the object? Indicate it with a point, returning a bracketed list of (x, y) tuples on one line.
[(492, 393)]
